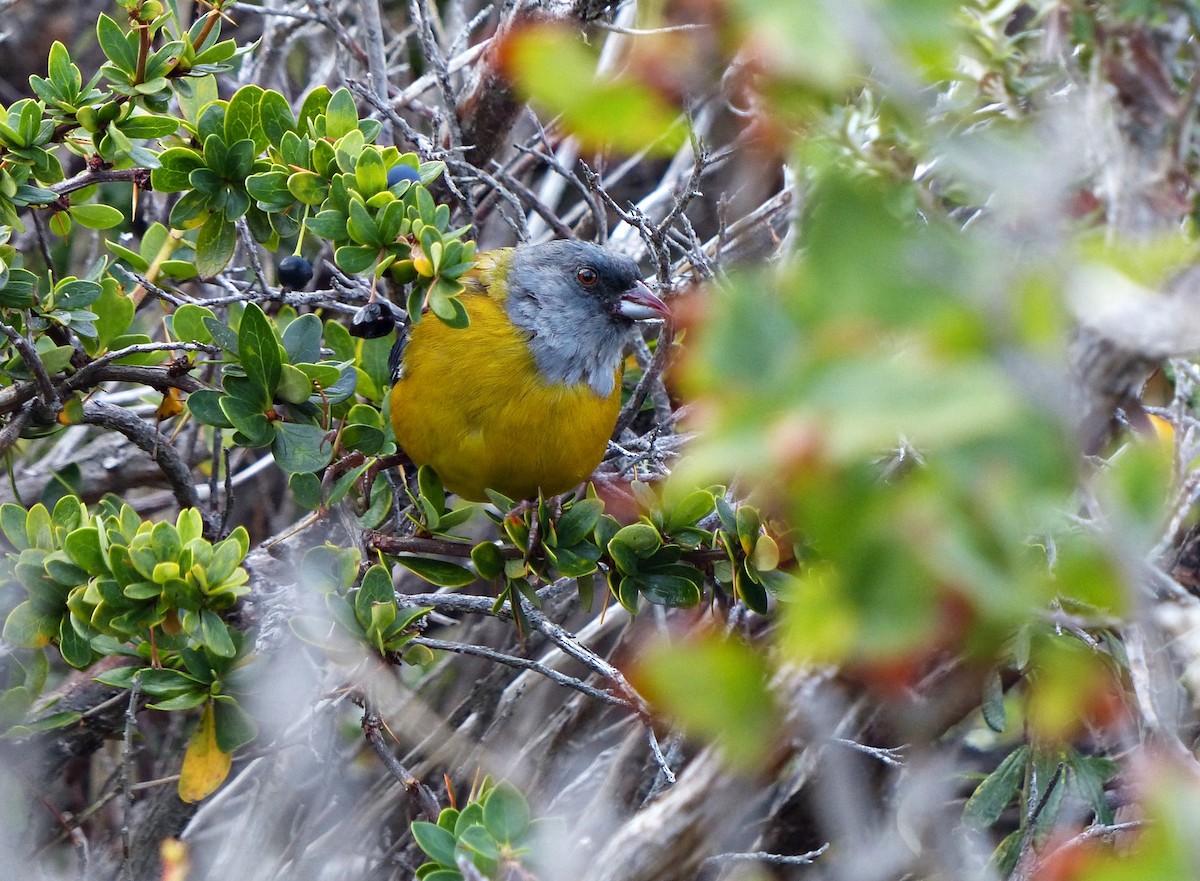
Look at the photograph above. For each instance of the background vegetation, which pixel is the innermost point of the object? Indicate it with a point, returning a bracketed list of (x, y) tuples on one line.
[(889, 572)]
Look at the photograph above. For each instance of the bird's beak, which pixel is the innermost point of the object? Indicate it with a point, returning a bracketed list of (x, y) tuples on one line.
[(638, 304)]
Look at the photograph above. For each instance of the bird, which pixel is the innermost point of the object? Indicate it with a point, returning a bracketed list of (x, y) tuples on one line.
[(523, 400)]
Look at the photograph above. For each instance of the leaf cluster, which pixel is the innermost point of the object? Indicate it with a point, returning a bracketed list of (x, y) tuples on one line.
[(360, 612), (676, 548), (95, 582), (492, 833)]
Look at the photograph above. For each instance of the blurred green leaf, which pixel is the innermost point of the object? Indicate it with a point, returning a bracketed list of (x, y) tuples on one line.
[(715, 688), (552, 67)]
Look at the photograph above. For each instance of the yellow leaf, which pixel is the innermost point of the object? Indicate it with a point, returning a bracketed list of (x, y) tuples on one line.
[(205, 767), (171, 405)]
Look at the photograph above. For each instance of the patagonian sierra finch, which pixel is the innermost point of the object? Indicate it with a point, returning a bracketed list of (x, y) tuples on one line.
[(524, 399)]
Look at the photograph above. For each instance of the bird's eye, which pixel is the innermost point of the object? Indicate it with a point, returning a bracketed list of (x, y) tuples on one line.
[(587, 276)]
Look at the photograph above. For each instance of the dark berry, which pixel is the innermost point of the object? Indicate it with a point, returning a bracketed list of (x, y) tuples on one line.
[(372, 320), (295, 272), (398, 173)]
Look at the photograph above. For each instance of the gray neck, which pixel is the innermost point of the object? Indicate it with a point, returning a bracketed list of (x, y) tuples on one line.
[(573, 345)]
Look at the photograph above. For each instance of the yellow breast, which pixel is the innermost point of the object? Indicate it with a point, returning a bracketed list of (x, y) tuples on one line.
[(472, 404)]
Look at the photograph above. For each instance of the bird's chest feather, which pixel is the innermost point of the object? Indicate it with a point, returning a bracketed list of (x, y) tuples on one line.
[(472, 404)]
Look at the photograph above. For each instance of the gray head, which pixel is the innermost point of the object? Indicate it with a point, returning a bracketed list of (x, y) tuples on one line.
[(577, 301)]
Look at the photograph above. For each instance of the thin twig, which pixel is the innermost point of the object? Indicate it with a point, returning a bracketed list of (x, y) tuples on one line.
[(127, 775), (148, 438), (376, 58), (373, 726), (522, 664), (634, 405), (33, 361), (778, 859)]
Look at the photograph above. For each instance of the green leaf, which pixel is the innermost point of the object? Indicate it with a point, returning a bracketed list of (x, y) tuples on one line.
[(258, 350), (19, 291), (306, 489), (187, 323), (308, 188), (75, 648), (997, 790), (361, 225), (235, 727), (506, 813), (239, 163), (248, 419), (370, 173), (328, 224), (294, 386), (215, 244), (578, 522), (120, 677), (748, 527), (222, 335), (25, 628), (642, 538), (364, 438), (115, 314), (302, 339), (574, 562), (115, 45), (689, 510), (96, 216), (83, 547), (341, 116), (276, 117), (478, 839), (488, 560), (63, 73), (242, 119), (12, 523), (205, 407), (633, 543), (665, 590), (74, 293), (314, 104), (175, 167), (145, 127), (355, 258), (347, 150), (301, 447), (186, 701), (993, 702), (435, 841), (215, 634), (439, 572)]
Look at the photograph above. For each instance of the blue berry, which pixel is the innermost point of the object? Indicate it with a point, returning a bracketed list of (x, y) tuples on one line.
[(295, 272), (398, 173)]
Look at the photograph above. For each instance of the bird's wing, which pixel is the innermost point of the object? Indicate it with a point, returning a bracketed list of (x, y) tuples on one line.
[(396, 356)]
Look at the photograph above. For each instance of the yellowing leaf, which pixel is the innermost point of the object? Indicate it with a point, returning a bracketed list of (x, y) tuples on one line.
[(171, 405), (205, 767)]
